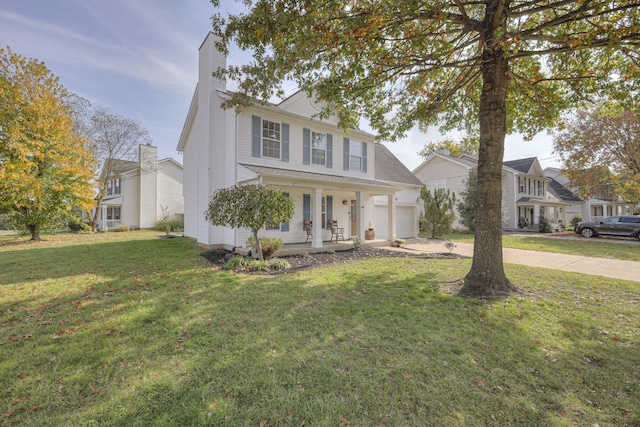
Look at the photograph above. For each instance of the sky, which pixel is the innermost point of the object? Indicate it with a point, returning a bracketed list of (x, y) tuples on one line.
[(139, 59)]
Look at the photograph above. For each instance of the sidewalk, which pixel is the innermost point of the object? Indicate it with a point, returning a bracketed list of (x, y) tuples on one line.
[(605, 267)]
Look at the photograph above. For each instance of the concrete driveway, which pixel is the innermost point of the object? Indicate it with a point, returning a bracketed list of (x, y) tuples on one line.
[(605, 267)]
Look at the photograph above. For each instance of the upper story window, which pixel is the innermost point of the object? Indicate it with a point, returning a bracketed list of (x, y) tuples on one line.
[(355, 155), (114, 187), (270, 139), (540, 188), (437, 185), (318, 148), (521, 185)]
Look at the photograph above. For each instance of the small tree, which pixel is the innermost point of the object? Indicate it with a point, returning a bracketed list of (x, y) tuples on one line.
[(467, 207), (438, 211), (249, 206), (577, 218)]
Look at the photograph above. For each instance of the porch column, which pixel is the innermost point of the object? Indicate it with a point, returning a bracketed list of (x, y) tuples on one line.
[(536, 214), (360, 218), (318, 226), (391, 203), (103, 216)]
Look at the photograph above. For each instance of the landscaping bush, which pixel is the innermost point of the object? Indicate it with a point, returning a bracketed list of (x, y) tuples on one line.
[(575, 220), (123, 227), (235, 263), (249, 264), (545, 225), (75, 226), (269, 245), (173, 224)]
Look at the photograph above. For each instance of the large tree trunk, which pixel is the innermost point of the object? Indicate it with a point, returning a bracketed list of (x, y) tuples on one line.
[(35, 232), (487, 276)]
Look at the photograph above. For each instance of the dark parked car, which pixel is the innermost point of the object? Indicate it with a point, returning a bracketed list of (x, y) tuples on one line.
[(627, 226)]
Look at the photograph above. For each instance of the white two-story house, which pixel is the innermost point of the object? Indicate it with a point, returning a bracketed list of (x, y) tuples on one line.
[(141, 192), (595, 208), (330, 174), (525, 191)]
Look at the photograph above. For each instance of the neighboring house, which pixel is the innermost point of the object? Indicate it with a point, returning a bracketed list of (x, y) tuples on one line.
[(533, 195), (329, 173), (140, 193), (525, 191), (601, 205), (443, 172)]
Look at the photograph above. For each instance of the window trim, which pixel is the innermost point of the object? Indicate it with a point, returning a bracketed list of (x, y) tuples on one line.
[(268, 139), (358, 147), (314, 150)]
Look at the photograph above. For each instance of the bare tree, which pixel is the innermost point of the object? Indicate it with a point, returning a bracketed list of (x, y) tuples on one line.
[(114, 141)]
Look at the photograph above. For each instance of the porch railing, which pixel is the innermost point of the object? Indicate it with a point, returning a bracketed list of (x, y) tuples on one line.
[(111, 224)]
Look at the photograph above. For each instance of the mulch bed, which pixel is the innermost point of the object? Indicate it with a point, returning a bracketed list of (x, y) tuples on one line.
[(218, 257)]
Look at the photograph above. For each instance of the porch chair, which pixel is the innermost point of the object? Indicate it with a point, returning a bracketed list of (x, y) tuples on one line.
[(336, 231), (308, 228)]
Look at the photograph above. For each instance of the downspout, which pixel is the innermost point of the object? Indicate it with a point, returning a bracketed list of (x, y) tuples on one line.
[(235, 179)]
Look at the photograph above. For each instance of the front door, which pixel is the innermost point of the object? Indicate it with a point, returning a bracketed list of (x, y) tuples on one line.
[(354, 218)]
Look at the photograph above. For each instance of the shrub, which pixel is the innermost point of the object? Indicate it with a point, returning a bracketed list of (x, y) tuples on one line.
[(357, 243), (235, 263), (545, 225), (123, 227), (450, 245), (243, 263), (173, 224), (278, 264), (76, 226), (575, 220), (269, 245)]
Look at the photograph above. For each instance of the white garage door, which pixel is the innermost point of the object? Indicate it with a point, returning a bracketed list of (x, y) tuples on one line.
[(404, 222), (382, 224)]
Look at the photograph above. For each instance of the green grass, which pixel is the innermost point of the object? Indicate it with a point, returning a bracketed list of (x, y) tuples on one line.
[(627, 250), (124, 329)]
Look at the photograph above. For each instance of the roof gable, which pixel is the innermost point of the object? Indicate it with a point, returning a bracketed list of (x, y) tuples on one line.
[(529, 166), (116, 167), (562, 192), (461, 161), (389, 168)]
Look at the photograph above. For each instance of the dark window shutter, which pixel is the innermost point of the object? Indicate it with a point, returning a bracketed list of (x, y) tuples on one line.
[(306, 146), (256, 135), (329, 150), (345, 154), (364, 157), (329, 208), (285, 225), (285, 142), (306, 208)]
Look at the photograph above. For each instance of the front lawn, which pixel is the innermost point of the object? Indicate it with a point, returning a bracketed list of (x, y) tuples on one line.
[(125, 329), (624, 249)]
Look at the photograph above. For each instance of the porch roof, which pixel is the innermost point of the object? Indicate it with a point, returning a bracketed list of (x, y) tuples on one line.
[(336, 180), (531, 201)]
